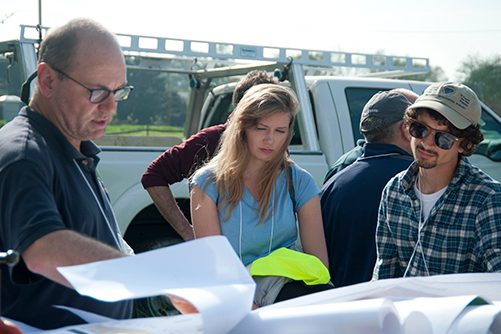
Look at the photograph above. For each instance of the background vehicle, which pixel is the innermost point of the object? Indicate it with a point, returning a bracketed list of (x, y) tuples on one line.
[(182, 86)]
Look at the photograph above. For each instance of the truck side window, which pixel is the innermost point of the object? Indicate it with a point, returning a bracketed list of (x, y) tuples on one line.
[(154, 115), (3, 75), (356, 98), (296, 137), (10, 83), (3, 86), (491, 145), (219, 110)]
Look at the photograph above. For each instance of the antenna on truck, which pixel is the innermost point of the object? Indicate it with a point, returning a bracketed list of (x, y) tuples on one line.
[(39, 25)]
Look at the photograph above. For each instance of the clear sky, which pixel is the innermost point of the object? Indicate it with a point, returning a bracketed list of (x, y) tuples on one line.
[(445, 31)]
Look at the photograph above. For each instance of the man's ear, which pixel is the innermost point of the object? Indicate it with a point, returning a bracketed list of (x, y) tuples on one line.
[(460, 146), (47, 79), (404, 130)]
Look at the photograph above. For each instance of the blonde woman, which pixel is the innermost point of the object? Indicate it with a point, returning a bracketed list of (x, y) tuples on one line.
[(243, 192)]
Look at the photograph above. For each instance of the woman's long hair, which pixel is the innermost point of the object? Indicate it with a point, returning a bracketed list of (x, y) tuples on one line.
[(233, 155)]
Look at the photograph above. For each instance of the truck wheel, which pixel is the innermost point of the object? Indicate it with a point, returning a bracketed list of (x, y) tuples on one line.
[(150, 231)]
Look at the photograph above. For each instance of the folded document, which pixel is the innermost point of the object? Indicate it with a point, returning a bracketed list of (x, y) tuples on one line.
[(209, 274)]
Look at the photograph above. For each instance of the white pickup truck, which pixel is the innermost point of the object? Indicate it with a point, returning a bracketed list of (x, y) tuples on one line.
[(182, 86)]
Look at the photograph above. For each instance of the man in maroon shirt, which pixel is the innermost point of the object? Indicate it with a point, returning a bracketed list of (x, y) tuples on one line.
[(182, 160)]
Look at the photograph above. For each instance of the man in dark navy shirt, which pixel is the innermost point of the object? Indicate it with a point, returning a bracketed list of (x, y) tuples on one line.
[(350, 199), (55, 211)]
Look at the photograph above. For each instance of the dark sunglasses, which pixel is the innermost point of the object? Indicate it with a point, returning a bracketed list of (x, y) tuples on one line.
[(100, 94), (443, 140)]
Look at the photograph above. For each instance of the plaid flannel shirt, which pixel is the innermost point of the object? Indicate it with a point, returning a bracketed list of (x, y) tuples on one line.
[(462, 233)]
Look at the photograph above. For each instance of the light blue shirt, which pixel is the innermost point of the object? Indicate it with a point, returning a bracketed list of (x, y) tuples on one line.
[(250, 239)]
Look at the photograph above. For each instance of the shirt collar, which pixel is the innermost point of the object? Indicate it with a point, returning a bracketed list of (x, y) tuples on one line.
[(371, 149), (56, 138), (408, 178)]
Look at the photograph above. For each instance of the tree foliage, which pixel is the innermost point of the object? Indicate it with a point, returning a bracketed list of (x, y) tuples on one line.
[(155, 100), (484, 77)]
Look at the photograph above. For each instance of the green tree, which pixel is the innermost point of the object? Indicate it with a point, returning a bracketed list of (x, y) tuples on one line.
[(483, 75), (147, 101)]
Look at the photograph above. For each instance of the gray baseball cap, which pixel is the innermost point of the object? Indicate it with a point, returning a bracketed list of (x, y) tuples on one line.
[(455, 101), (382, 110)]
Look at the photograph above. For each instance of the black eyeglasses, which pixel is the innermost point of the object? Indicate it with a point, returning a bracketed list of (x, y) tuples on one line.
[(443, 140), (98, 95)]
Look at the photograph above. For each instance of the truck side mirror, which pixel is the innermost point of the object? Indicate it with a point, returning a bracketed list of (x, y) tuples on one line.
[(9, 107)]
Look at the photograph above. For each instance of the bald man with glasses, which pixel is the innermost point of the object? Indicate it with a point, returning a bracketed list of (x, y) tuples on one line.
[(55, 210), (442, 215)]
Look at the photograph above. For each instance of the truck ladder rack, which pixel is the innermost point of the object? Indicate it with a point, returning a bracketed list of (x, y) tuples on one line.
[(143, 45)]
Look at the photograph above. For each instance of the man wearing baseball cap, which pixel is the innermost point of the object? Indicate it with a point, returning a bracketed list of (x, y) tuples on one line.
[(350, 199), (442, 215)]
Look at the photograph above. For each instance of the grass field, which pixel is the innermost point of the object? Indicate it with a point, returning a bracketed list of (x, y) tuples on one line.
[(145, 130), (140, 130), (141, 135)]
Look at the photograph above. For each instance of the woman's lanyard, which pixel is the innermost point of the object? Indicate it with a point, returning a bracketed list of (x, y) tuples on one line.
[(272, 226)]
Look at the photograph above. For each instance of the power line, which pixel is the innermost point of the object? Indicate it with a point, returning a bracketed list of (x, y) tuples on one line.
[(6, 17), (478, 31)]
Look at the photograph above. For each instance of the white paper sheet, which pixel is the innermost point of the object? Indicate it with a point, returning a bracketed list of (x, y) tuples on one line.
[(481, 319), (367, 316), (425, 304), (433, 314), (25, 329), (182, 324), (88, 317), (206, 272), (485, 285)]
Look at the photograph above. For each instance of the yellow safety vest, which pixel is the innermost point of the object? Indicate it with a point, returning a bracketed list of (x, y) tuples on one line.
[(292, 264)]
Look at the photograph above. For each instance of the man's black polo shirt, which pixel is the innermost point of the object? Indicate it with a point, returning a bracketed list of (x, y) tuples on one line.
[(350, 202), (45, 186)]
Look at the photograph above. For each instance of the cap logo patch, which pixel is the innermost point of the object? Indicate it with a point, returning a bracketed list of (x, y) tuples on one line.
[(463, 102), (448, 90)]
